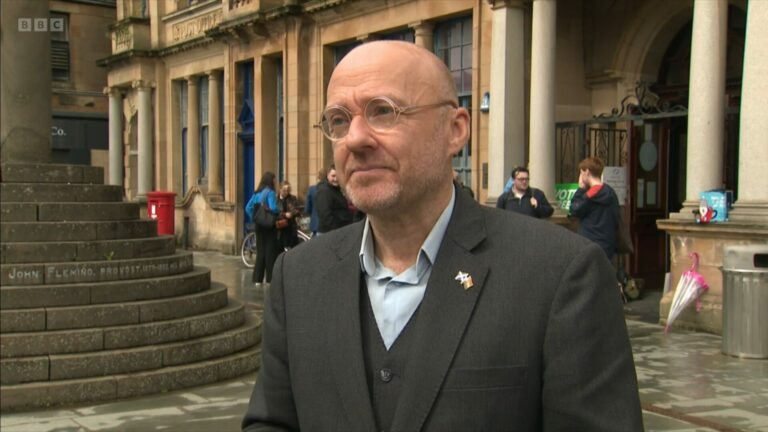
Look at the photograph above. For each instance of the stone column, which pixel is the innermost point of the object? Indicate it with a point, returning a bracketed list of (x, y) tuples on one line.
[(115, 135), (146, 149), (542, 132), (214, 136), (424, 34), (706, 109), (753, 129), (25, 87), (506, 135), (193, 132)]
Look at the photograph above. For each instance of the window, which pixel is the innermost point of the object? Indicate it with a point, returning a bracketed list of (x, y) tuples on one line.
[(60, 49), (203, 86), (453, 45), (183, 132), (404, 35)]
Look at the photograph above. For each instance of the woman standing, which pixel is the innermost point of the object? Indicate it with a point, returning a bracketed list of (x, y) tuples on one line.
[(289, 210), (266, 238)]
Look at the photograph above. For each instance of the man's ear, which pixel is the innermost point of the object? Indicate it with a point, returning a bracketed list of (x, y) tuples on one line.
[(460, 130)]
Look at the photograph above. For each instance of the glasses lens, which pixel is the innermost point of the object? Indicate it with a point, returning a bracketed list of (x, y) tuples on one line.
[(380, 114), (335, 123)]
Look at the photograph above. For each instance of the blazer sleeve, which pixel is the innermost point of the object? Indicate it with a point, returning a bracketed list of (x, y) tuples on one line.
[(271, 407), (589, 381)]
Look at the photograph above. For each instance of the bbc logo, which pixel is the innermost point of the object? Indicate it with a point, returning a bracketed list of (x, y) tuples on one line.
[(41, 24)]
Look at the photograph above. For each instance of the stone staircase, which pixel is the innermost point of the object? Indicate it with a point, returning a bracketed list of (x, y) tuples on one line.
[(94, 305)]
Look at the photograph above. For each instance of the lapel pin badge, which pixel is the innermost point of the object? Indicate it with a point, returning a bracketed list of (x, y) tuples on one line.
[(465, 279)]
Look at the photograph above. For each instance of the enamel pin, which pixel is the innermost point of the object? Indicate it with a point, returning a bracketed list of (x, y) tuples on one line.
[(465, 279)]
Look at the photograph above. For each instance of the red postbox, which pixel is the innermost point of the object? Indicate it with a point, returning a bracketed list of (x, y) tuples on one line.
[(161, 207)]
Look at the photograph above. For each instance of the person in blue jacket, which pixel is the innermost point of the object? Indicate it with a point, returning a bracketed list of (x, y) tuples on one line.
[(311, 207), (596, 205), (266, 238)]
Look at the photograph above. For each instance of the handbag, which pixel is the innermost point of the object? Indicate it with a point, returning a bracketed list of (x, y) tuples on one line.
[(281, 223), (264, 218)]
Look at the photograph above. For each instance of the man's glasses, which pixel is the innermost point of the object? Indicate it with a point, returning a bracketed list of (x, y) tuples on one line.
[(381, 114), (522, 178)]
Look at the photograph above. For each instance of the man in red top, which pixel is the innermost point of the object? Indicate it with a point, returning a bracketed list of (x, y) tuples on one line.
[(596, 205)]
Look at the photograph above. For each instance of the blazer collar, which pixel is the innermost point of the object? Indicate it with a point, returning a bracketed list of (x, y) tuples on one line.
[(443, 315)]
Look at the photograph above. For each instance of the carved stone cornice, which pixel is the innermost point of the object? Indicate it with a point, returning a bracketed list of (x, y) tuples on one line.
[(113, 91), (143, 84)]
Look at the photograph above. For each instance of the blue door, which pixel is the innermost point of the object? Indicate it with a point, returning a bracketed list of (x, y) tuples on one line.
[(246, 119)]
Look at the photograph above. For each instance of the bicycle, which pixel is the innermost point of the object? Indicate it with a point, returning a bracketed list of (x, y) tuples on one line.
[(248, 247)]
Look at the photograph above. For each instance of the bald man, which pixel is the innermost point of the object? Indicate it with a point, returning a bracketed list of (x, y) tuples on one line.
[(434, 313)]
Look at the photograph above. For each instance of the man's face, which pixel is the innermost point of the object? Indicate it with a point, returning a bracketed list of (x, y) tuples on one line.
[(332, 177), (521, 181), (390, 169)]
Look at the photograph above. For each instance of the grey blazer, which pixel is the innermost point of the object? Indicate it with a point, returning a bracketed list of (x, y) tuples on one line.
[(538, 343)]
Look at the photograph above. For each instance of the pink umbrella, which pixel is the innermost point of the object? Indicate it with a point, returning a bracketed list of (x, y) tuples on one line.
[(689, 289)]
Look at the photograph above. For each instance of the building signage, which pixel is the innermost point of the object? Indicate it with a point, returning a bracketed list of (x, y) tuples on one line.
[(195, 26), (564, 193), (123, 39)]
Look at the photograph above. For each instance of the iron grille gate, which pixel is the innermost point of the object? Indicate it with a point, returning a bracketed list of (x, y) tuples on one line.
[(578, 140)]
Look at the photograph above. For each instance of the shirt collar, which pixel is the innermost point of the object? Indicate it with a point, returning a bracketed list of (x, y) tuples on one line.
[(429, 248)]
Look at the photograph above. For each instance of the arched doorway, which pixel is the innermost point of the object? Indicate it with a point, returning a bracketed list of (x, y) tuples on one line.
[(658, 144)]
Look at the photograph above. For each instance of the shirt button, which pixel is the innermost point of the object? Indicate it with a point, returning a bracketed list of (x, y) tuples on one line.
[(386, 375)]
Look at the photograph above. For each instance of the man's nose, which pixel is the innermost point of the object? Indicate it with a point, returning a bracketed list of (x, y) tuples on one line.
[(359, 134)]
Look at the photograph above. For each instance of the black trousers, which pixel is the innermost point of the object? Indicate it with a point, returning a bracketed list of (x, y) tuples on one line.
[(266, 253)]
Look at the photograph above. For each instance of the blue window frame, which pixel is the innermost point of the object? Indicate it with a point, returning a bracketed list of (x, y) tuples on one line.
[(183, 132), (203, 109)]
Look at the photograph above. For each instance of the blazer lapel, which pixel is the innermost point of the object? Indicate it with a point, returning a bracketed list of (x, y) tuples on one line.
[(444, 314), (343, 333)]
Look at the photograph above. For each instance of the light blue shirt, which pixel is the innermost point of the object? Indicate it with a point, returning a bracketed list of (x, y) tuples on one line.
[(395, 297)]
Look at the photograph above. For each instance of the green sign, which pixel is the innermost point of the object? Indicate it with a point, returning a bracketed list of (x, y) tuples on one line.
[(564, 193)]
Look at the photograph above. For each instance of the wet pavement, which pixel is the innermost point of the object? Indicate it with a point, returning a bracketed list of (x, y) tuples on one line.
[(686, 383)]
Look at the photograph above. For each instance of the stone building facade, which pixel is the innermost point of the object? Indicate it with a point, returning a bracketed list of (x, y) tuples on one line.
[(206, 95)]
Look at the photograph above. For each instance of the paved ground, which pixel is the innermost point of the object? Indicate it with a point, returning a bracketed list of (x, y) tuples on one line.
[(686, 384)]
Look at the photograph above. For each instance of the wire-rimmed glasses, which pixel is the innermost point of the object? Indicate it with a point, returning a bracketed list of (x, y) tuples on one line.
[(381, 114)]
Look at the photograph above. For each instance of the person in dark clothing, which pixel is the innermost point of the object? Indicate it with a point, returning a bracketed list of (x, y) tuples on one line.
[(460, 184), (332, 207), (523, 199), (311, 208), (289, 210), (266, 238), (596, 205)]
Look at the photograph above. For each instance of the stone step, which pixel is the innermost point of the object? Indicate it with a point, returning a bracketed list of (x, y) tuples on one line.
[(120, 361), (77, 211), (76, 391), (50, 173), (78, 251), (54, 192), (41, 296), (76, 231), (16, 345), (15, 321), (95, 271)]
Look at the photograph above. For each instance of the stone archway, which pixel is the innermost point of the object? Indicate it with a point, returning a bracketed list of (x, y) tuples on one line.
[(641, 49)]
